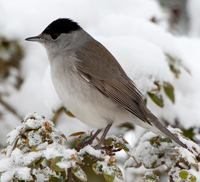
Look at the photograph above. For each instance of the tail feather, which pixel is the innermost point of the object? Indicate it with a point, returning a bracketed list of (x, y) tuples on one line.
[(159, 127), (165, 131)]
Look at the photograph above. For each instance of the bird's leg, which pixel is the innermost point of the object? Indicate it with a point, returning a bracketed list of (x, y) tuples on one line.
[(98, 146), (89, 141)]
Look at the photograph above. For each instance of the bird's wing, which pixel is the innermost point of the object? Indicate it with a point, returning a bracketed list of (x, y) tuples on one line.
[(92, 65), (103, 72)]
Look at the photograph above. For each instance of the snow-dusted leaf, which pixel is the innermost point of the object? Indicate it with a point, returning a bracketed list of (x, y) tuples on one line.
[(83, 137), (169, 90), (53, 165), (188, 157), (173, 65), (192, 178), (39, 161), (117, 171), (108, 174), (120, 142), (132, 163), (34, 138), (79, 173), (97, 168), (155, 143), (13, 135), (157, 98), (152, 165), (151, 177)]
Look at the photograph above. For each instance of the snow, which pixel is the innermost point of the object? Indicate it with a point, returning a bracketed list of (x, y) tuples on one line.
[(13, 134), (55, 150), (43, 174), (153, 58), (7, 176), (36, 139), (24, 173), (193, 10), (16, 169), (92, 151), (126, 30), (5, 164), (146, 152)]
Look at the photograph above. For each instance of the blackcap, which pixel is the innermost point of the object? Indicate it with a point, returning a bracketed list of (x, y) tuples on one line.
[(92, 84)]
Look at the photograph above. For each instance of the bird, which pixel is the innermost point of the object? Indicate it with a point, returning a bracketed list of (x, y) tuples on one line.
[(91, 83)]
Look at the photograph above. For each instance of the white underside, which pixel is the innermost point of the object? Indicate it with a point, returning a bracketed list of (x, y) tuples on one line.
[(83, 100)]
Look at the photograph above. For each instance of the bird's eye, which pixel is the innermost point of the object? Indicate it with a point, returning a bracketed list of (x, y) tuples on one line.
[(54, 36)]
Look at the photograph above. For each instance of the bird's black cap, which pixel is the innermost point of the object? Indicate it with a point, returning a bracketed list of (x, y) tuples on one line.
[(61, 25)]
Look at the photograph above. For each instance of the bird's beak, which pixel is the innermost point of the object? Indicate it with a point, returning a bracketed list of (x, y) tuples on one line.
[(35, 39)]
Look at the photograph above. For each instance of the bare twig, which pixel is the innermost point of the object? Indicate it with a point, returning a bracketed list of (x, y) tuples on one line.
[(10, 109)]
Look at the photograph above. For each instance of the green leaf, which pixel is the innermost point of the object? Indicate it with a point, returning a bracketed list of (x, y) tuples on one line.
[(39, 162), (122, 144), (109, 175), (69, 113), (160, 154), (192, 178), (174, 70), (4, 151), (189, 133), (97, 168), (117, 171), (195, 165), (77, 133), (151, 177), (156, 98), (168, 140), (128, 126), (54, 179), (63, 175), (79, 173), (169, 90), (154, 143), (53, 165), (183, 174)]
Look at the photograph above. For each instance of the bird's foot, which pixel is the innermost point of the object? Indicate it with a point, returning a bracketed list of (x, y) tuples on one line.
[(98, 146), (83, 144), (88, 142)]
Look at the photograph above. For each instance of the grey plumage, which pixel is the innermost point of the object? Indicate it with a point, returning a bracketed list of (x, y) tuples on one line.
[(92, 84), (116, 84)]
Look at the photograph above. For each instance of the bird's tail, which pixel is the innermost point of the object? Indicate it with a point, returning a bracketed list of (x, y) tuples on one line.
[(166, 132)]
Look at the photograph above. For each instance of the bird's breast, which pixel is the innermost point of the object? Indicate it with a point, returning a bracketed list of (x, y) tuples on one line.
[(82, 99)]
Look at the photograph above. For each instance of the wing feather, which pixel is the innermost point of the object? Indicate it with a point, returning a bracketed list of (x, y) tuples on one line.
[(118, 92), (114, 83)]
